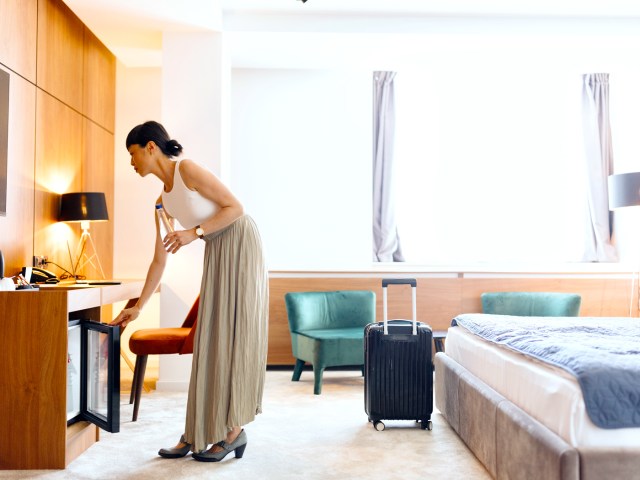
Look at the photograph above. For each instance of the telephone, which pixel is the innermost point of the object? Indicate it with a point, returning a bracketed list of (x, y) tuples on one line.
[(39, 275)]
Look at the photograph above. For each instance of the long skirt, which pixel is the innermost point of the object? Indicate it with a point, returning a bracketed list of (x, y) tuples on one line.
[(230, 343)]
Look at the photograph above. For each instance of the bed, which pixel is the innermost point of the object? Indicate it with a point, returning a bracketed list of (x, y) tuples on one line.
[(524, 417)]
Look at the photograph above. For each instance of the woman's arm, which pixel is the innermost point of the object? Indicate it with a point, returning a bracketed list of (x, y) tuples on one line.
[(154, 275)]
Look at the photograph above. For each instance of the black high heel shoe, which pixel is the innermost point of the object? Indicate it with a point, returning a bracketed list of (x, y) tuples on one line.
[(175, 452), (238, 446)]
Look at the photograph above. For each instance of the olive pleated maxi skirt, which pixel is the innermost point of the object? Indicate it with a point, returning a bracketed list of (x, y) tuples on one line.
[(230, 343)]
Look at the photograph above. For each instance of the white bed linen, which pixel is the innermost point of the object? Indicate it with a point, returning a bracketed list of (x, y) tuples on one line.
[(547, 393)]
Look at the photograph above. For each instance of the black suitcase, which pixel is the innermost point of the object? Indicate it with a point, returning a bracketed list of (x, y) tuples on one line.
[(398, 371)]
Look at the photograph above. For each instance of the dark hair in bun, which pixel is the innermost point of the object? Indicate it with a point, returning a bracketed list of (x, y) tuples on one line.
[(153, 132)]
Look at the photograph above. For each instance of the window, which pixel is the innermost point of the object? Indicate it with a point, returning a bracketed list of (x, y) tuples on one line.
[(488, 166)]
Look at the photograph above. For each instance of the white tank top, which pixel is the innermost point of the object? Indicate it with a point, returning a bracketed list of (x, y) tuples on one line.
[(187, 206)]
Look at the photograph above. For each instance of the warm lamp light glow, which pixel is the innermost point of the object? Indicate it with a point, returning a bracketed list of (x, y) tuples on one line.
[(59, 232), (57, 182)]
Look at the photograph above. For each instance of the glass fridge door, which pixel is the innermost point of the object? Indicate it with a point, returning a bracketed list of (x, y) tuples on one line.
[(100, 375), (73, 369)]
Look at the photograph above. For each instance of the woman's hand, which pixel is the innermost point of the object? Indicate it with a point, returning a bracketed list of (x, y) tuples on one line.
[(175, 240), (127, 315)]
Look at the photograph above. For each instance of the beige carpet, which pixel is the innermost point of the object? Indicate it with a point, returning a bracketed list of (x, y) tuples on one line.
[(299, 435)]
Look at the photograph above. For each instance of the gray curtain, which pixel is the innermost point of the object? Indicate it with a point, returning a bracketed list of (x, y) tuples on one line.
[(599, 162), (386, 242)]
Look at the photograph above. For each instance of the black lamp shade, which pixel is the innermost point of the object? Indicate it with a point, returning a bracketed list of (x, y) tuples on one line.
[(624, 190), (82, 207)]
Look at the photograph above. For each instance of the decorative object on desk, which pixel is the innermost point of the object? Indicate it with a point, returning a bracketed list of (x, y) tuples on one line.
[(84, 207), (22, 283), (624, 191)]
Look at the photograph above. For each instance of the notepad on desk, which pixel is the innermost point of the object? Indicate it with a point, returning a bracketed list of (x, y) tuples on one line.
[(98, 282)]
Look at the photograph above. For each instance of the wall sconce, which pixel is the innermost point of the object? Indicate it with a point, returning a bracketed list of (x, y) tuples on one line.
[(83, 207)]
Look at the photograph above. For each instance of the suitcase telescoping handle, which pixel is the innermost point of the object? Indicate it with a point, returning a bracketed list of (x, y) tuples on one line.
[(399, 281)]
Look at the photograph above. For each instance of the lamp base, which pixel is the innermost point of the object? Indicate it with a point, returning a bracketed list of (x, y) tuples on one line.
[(85, 256)]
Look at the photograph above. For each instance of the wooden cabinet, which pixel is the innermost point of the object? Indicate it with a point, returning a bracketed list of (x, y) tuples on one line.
[(33, 377)]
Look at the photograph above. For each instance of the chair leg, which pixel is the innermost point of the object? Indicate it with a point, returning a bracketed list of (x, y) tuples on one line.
[(134, 382), (317, 379), (297, 370), (141, 366)]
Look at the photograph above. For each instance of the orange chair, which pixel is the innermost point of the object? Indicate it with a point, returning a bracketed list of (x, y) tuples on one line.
[(159, 341)]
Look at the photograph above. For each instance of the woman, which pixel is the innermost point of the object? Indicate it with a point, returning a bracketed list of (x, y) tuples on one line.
[(230, 345)]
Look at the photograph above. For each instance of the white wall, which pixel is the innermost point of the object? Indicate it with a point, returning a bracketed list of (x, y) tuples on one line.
[(301, 146), (137, 100), (194, 110)]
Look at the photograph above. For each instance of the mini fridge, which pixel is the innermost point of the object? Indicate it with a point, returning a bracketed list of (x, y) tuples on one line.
[(93, 374)]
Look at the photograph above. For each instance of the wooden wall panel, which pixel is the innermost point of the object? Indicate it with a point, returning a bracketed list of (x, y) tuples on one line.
[(607, 296), (59, 78), (440, 299), (59, 159), (60, 52), (16, 240), (18, 34), (99, 92), (98, 177)]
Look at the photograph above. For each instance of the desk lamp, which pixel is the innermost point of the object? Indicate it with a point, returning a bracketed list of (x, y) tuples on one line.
[(83, 207), (624, 191)]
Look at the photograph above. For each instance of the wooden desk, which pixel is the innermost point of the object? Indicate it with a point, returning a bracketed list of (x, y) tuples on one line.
[(33, 373)]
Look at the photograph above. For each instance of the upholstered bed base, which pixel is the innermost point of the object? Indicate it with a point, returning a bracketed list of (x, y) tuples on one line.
[(510, 443)]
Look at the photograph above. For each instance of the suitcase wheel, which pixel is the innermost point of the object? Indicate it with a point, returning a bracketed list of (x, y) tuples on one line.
[(426, 425), (378, 425)]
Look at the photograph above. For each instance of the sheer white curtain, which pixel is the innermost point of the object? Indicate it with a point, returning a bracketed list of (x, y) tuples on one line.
[(598, 246), (386, 243)]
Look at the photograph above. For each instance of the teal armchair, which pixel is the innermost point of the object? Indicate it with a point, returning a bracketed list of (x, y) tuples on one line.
[(327, 329), (531, 304)]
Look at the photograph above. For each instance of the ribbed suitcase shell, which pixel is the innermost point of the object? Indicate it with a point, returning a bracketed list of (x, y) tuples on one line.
[(398, 378)]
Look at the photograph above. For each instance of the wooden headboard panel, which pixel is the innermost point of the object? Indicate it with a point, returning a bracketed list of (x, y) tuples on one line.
[(440, 297)]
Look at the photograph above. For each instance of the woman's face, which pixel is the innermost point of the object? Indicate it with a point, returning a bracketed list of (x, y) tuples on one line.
[(139, 159)]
